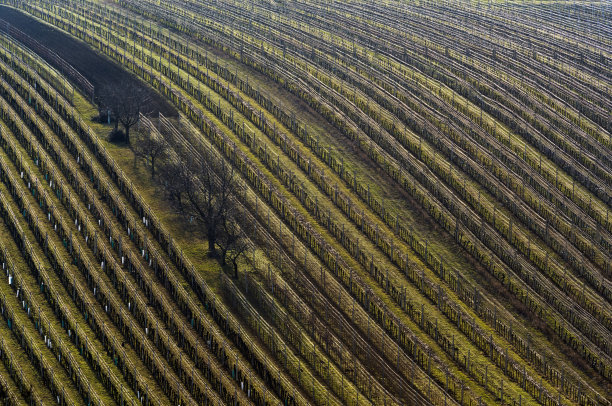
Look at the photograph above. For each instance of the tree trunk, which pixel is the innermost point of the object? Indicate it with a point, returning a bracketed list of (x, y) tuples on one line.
[(127, 133), (212, 252)]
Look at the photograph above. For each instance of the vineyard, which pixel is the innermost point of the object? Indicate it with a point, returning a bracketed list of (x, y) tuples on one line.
[(329, 203)]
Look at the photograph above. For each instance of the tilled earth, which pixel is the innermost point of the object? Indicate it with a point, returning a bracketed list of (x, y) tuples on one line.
[(98, 69)]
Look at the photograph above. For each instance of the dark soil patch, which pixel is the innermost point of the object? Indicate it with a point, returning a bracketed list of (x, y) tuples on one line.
[(98, 69)]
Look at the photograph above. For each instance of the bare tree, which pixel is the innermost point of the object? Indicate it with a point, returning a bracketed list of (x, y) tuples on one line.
[(149, 146), (135, 100), (232, 238), (212, 202), (125, 100), (207, 190), (203, 188), (175, 179)]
